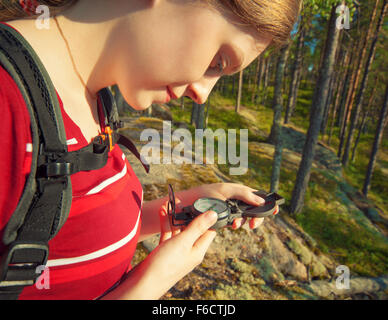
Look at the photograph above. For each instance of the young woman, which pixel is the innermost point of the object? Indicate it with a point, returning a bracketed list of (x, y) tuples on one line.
[(154, 50)]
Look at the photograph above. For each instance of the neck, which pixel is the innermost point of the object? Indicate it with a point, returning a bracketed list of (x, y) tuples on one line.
[(92, 30), (85, 47)]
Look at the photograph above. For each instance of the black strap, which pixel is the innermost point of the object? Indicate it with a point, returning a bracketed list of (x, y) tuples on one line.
[(126, 142), (92, 157), (109, 116), (46, 201)]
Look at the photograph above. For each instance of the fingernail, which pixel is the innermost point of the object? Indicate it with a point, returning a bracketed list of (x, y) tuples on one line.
[(259, 199), (211, 216)]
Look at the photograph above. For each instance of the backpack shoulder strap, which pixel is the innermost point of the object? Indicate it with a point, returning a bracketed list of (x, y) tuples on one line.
[(45, 203)]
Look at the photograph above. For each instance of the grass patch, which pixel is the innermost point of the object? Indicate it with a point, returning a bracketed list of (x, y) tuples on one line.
[(339, 235)]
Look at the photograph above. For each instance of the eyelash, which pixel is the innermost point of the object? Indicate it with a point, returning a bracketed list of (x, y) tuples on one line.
[(219, 67)]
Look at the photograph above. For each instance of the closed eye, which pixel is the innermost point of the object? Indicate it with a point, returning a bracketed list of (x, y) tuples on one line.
[(218, 66)]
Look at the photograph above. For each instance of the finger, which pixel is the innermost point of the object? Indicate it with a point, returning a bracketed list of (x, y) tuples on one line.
[(198, 226), (203, 242), (237, 223), (254, 199), (255, 222), (245, 194)]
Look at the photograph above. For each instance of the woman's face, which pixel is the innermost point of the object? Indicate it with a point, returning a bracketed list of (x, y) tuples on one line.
[(173, 49)]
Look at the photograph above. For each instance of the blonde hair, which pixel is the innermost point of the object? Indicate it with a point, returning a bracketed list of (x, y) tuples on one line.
[(274, 18)]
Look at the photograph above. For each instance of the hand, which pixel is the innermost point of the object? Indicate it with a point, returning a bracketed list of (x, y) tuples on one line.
[(179, 253), (169, 262), (225, 191)]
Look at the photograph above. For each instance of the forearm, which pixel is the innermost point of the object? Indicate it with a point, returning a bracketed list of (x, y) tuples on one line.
[(150, 218), (139, 284)]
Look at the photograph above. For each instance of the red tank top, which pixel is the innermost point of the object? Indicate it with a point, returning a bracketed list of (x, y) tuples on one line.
[(94, 248)]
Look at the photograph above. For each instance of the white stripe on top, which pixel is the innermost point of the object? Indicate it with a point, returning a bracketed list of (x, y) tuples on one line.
[(110, 180), (98, 253), (71, 141), (28, 147)]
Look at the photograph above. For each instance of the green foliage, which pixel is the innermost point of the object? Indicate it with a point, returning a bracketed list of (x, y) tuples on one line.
[(337, 233)]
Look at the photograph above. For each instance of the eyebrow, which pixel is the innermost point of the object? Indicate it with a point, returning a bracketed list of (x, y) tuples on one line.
[(238, 56)]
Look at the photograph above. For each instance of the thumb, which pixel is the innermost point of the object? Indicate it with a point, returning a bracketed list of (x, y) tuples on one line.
[(199, 226)]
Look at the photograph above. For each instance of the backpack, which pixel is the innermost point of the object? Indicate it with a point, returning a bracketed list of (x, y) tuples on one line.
[(47, 195)]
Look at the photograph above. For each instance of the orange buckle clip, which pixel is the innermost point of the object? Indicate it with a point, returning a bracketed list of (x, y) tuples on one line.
[(108, 133)]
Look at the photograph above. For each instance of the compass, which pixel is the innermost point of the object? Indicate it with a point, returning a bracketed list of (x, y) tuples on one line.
[(227, 210)]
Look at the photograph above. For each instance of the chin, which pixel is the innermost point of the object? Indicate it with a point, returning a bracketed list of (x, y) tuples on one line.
[(138, 104), (139, 107)]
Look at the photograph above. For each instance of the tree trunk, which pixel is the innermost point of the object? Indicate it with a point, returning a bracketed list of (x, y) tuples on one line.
[(194, 113), (276, 130), (321, 90), (295, 74), (277, 161), (239, 93), (360, 95), (277, 103), (376, 143), (332, 85), (233, 84), (259, 74), (183, 103), (201, 117), (340, 89), (360, 129), (344, 101), (207, 111), (225, 86), (266, 79), (328, 104), (366, 113)]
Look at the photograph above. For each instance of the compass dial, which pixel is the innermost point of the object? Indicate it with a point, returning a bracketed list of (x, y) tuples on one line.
[(205, 204)]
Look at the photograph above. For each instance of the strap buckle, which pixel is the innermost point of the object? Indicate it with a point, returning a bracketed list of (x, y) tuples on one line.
[(53, 164), (16, 269), (107, 135)]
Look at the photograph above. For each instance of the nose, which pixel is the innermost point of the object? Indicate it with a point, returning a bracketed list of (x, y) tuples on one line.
[(199, 91)]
